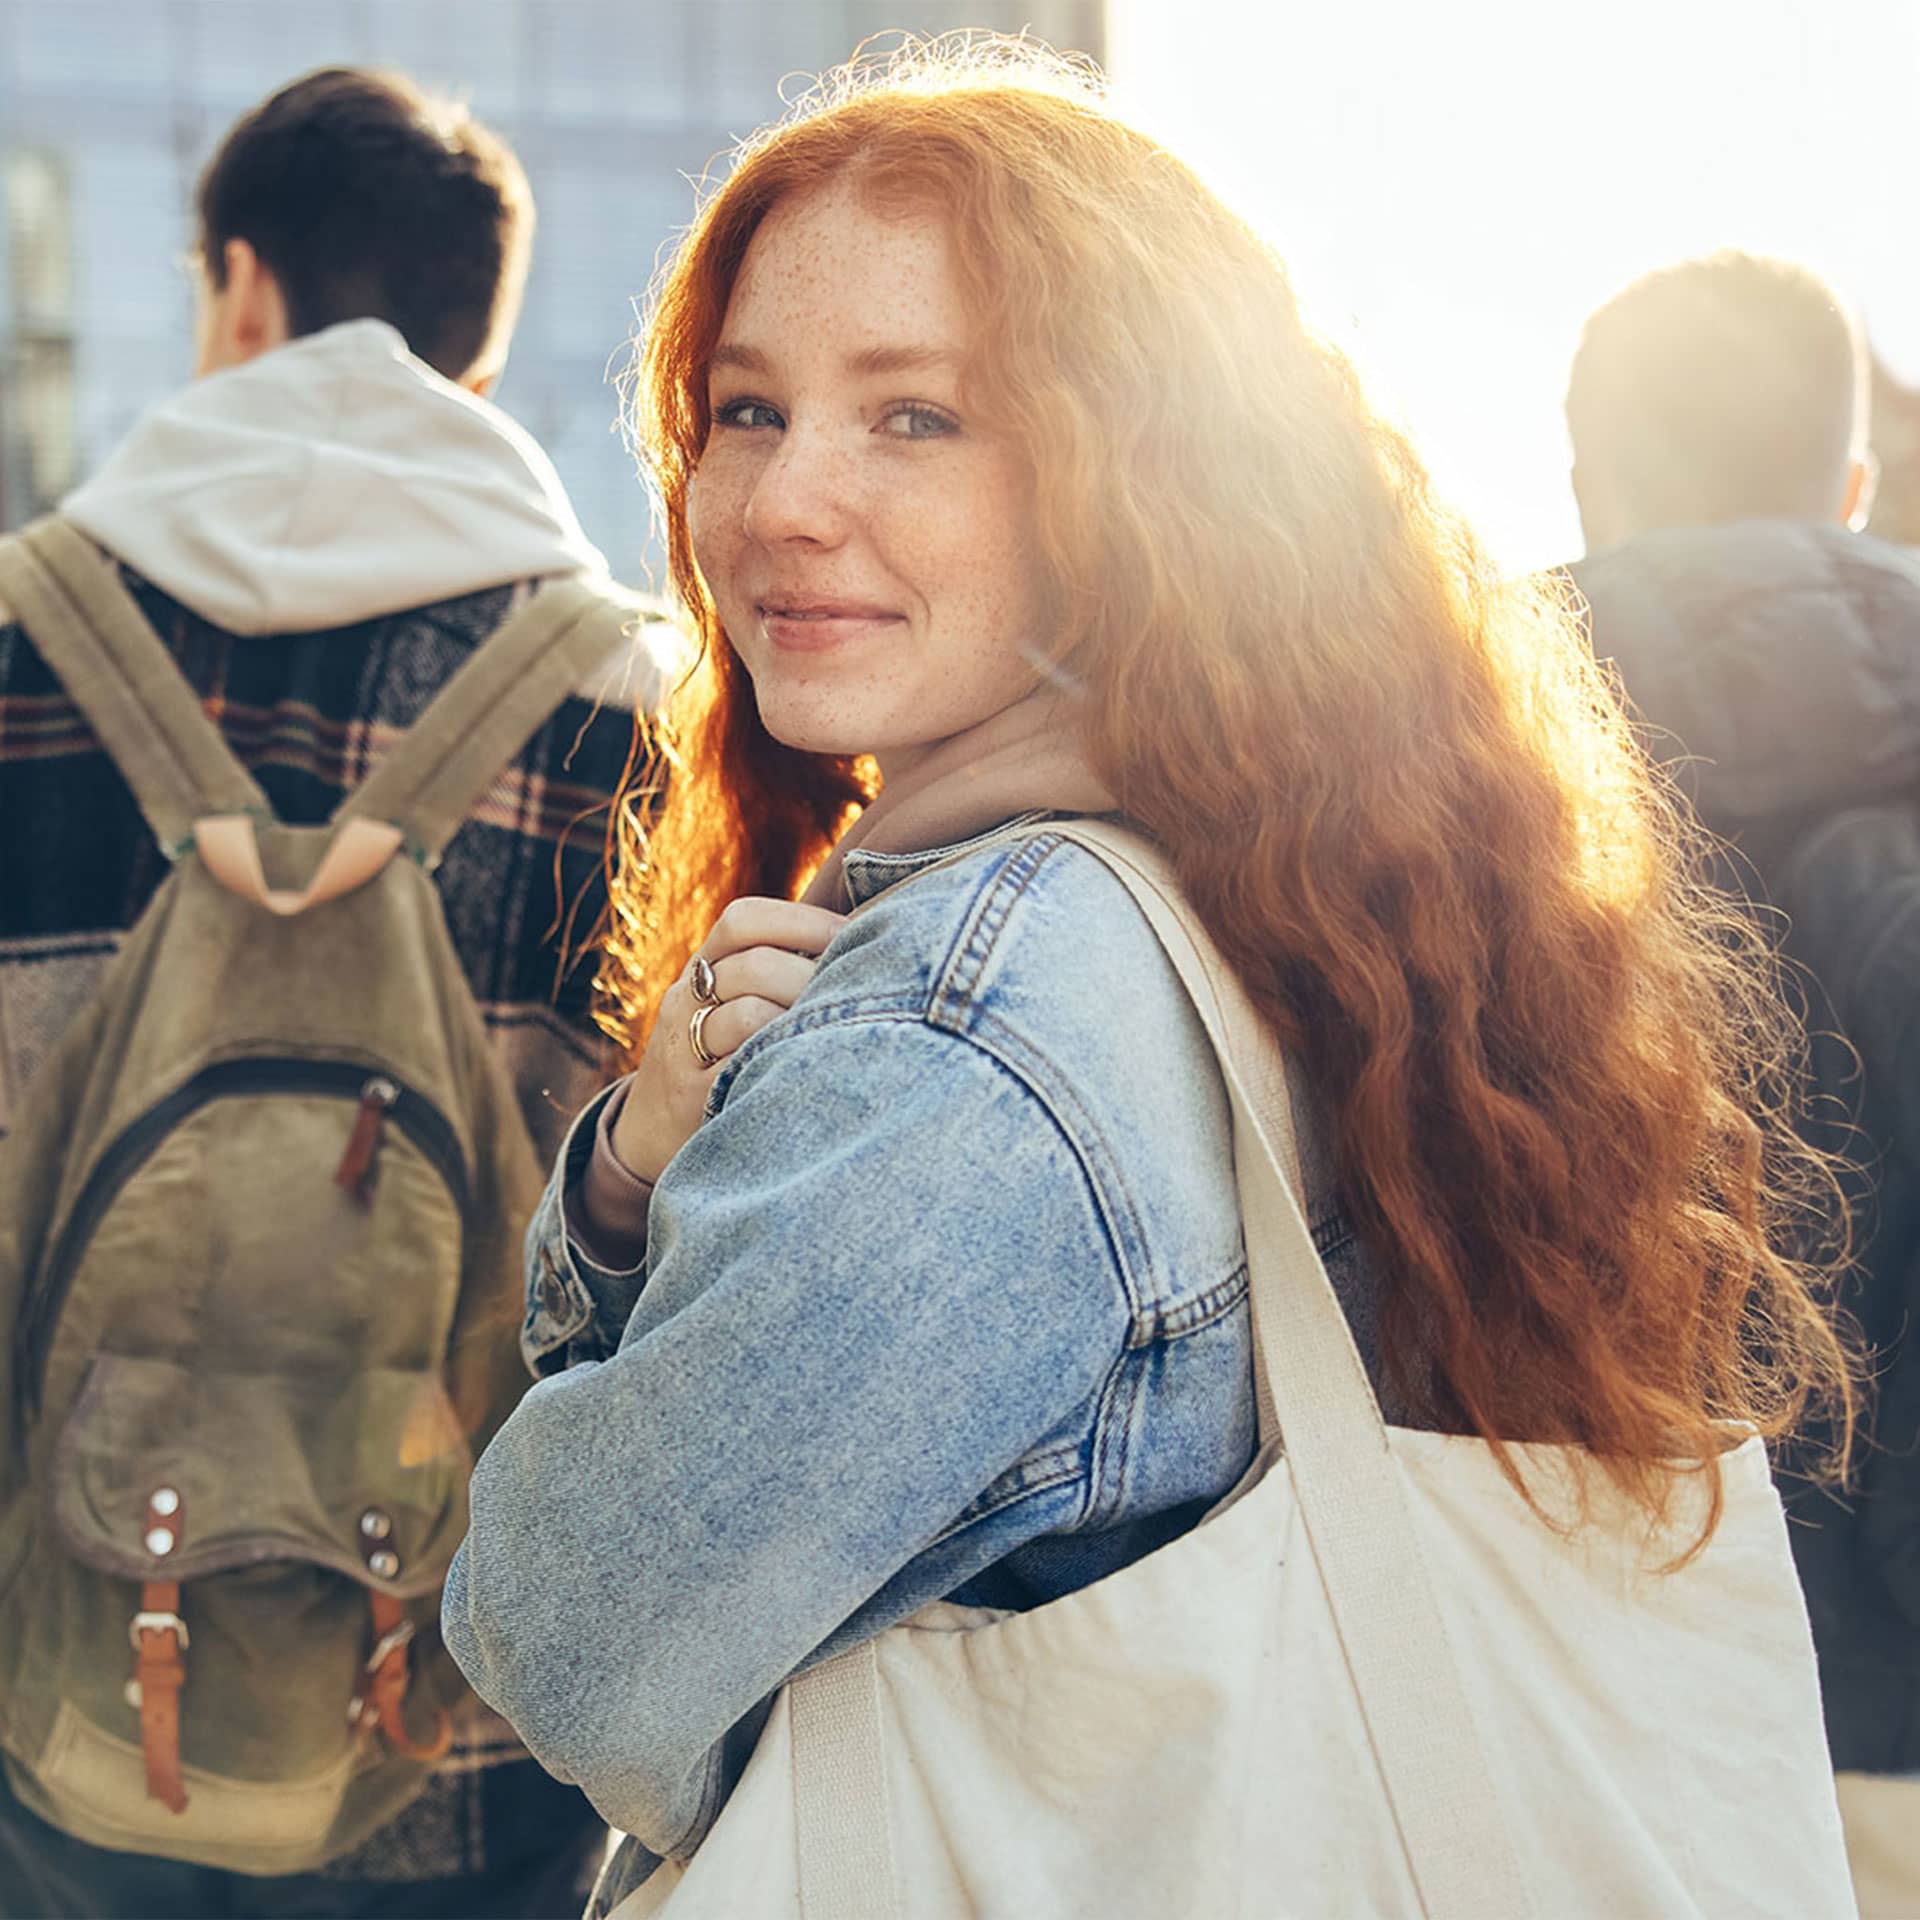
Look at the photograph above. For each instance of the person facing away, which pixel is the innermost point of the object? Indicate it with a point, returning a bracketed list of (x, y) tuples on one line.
[(1003, 482), (322, 528), (1716, 411)]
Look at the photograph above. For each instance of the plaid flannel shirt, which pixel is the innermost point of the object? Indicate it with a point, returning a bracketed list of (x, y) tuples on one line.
[(523, 884)]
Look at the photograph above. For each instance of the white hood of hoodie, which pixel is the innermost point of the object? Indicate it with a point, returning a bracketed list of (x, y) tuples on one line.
[(329, 481)]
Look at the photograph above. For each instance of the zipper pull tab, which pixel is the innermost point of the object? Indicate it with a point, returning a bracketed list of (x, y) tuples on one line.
[(356, 1169)]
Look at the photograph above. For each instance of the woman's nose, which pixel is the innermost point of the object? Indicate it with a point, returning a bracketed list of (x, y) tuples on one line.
[(802, 493)]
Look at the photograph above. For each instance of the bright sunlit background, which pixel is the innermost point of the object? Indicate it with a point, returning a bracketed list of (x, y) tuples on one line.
[(1456, 183)]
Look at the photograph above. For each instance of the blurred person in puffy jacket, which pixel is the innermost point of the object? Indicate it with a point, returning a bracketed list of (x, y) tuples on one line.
[(1716, 410)]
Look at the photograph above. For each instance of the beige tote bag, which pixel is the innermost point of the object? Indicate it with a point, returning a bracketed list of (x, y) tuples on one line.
[(1371, 1683)]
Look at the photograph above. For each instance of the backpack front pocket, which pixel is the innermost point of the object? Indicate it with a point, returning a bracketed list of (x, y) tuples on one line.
[(228, 1191), (297, 1506), (92, 1783), (263, 1467)]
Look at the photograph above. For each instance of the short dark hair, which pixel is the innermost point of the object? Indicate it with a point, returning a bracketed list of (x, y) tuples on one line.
[(368, 198), (1725, 388)]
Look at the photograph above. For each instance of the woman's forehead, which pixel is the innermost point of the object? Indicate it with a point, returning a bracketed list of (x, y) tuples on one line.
[(883, 279)]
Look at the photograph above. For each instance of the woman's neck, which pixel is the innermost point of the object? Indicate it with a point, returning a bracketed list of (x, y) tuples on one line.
[(1025, 758)]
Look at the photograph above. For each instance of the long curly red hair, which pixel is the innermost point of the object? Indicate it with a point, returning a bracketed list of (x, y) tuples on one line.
[(1395, 787)]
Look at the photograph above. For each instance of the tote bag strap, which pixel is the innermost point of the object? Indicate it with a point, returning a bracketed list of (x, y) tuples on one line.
[(1352, 1501)]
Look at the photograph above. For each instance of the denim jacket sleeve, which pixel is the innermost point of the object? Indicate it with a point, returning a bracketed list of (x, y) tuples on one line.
[(878, 1274), (575, 1308)]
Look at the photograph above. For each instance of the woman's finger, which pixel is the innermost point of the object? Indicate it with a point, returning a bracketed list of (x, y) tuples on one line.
[(757, 922), (731, 1024), (771, 973)]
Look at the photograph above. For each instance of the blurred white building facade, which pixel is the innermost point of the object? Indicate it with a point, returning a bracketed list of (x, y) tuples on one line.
[(109, 109)]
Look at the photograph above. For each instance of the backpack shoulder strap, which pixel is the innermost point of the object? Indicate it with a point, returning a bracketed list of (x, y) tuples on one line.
[(488, 711), (85, 624)]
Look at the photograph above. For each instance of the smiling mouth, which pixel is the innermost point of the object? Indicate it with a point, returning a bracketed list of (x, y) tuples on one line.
[(820, 610), (810, 628)]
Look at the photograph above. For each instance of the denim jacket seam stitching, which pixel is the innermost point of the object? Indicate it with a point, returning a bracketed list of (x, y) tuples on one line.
[(978, 1040), (1053, 1483), (1112, 1197), (1001, 890), (958, 1013), (907, 1009), (1113, 1437), (978, 1036), (1204, 1310), (1337, 1232), (1070, 1469)]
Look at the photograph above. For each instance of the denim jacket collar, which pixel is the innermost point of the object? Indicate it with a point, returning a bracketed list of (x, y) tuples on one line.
[(869, 874)]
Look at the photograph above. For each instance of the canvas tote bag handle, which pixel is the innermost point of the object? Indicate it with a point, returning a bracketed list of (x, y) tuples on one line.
[(1406, 1677)]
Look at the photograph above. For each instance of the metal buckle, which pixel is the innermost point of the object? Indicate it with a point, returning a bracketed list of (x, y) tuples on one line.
[(158, 1623), (389, 1642)]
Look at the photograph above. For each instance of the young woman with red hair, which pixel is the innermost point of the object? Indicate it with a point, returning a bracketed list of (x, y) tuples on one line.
[(1004, 485)]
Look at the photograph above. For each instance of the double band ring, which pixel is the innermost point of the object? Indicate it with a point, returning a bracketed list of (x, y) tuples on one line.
[(697, 1034), (706, 996)]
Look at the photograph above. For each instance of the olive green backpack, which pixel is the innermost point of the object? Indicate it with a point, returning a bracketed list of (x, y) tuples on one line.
[(260, 1226)]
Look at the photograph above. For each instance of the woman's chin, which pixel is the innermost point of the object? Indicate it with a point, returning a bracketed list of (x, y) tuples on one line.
[(810, 733)]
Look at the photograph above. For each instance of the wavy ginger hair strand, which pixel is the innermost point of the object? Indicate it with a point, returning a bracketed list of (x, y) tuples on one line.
[(1396, 791)]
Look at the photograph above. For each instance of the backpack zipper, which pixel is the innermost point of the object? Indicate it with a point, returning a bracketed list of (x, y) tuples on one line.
[(358, 1164), (415, 1115)]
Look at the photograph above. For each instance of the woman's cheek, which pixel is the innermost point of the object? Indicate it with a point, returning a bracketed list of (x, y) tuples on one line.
[(699, 494)]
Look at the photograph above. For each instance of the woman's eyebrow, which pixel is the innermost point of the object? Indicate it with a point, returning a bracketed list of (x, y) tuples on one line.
[(902, 359), (742, 359)]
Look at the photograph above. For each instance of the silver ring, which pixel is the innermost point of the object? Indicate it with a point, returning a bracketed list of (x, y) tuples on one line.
[(700, 980), (697, 1034)]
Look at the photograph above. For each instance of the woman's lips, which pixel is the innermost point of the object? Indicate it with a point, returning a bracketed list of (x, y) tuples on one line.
[(795, 629)]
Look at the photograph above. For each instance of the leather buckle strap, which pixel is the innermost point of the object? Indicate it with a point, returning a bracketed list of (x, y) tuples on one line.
[(160, 1641), (159, 1673), (381, 1701), (393, 1641), (157, 1622)]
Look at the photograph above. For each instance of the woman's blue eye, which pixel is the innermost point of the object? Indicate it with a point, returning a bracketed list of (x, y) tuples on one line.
[(746, 413), (917, 421)]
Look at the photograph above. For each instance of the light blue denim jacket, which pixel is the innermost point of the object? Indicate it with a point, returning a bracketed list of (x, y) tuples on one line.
[(946, 1298)]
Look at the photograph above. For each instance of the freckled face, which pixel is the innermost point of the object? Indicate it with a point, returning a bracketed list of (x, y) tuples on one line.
[(864, 542)]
